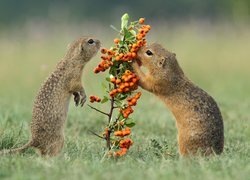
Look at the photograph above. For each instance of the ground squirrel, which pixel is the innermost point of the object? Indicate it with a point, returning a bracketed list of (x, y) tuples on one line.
[(198, 118), (51, 103)]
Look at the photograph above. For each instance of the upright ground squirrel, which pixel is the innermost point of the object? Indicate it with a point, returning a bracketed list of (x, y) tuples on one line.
[(198, 118), (51, 103)]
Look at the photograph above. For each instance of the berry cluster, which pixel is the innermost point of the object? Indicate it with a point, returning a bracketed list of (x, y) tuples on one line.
[(133, 100), (123, 133), (126, 111), (114, 54), (106, 61), (124, 145), (123, 83), (94, 99), (127, 83)]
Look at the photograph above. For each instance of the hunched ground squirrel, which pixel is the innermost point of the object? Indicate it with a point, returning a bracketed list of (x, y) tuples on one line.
[(198, 118), (51, 103)]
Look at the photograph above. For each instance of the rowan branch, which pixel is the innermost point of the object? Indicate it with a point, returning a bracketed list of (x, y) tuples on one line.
[(96, 134), (98, 110)]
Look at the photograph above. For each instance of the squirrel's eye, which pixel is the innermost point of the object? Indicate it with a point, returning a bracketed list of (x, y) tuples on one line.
[(149, 53), (91, 41)]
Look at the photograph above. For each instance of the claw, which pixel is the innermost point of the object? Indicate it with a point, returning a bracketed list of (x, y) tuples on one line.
[(76, 98), (83, 98)]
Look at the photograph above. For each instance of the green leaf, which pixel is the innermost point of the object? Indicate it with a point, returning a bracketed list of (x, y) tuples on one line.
[(123, 96), (133, 32), (124, 20), (107, 79), (118, 103), (127, 34), (130, 122), (104, 87), (105, 99)]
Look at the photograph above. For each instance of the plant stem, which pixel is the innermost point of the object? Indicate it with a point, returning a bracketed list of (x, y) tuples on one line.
[(96, 134), (109, 119), (98, 110)]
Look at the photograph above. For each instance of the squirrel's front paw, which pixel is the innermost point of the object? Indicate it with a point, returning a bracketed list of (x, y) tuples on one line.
[(79, 98), (83, 98), (76, 98)]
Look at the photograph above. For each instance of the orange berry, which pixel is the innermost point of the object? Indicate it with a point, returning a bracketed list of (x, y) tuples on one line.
[(139, 43), (110, 63), (139, 37), (127, 72), (129, 99), (126, 90), (146, 30), (110, 52), (141, 31), (104, 50), (126, 133), (134, 80), (98, 100), (130, 76), (130, 104), (148, 27), (92, 97), (126, 79), (111, 93), (134, 46), (118, 133), (116, 41), (109, 58), (117, 58), (125, 115), (106, 66), (134, 101), (104, 57), (121, 55), (96, 70), (135, 87), (119, 90), (133, 50), (133, 54), (118, 81), (112, 80), (122, 86), (141, 20), (138, 94), (131, 84)]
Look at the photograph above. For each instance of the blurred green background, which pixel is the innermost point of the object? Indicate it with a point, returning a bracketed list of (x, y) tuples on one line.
[(212, 42)]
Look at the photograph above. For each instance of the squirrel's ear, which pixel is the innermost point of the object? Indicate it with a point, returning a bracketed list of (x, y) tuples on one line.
[(162, 62), (173, 55)]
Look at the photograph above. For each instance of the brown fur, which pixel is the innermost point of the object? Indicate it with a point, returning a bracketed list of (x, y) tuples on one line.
[(198, 118), (51, 103)]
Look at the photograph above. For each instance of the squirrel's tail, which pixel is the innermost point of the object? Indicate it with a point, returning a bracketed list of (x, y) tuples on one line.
[(16, 150)]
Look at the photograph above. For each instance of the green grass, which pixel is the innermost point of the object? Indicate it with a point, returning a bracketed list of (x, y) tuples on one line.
[(214, 57)]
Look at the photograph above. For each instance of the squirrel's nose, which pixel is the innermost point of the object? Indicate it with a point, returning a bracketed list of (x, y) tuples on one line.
[(98, 43)]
